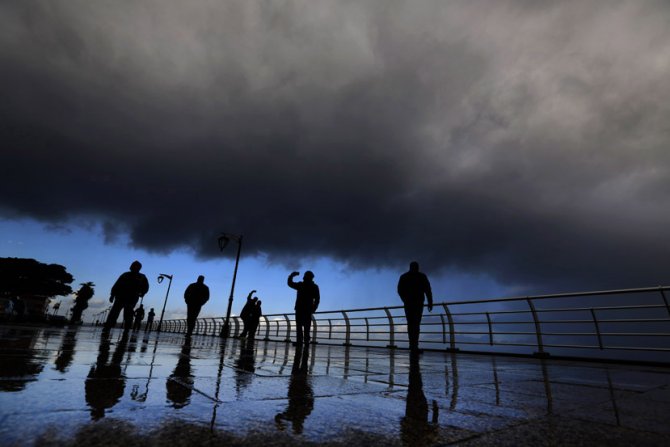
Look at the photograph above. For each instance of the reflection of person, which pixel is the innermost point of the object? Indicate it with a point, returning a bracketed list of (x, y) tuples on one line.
[(150, 319), (245, 365), (139, 316), (105, 383), (196, 295), (246, 313), (306, 302), (413, 287), (415, 428), (300, 394), (66, 351), (126, 291), (179, 385)]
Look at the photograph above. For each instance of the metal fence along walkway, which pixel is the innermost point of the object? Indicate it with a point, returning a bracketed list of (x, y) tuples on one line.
[(624, 324)]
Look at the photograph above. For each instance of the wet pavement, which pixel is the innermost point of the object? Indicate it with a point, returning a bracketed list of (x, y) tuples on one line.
[(75, 387)]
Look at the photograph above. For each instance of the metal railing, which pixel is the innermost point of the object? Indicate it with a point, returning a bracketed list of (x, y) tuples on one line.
[(627, 324)]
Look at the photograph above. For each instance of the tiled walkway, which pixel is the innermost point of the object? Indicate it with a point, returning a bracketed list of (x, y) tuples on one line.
[(61, 386)]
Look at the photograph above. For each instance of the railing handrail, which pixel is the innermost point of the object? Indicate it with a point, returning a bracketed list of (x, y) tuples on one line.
[(450, 329), (507, 299)]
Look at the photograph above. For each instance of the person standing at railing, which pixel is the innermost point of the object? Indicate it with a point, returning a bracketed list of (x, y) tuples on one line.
[(139, 316), (196, 295), (255, 318), (150, 320), (414, 289), (246, 313), (306, 302)]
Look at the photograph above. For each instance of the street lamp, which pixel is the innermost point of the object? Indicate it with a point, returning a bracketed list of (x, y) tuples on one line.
[(161, 277), (224, 239)]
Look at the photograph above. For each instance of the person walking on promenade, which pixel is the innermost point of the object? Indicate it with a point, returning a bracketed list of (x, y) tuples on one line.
[(254, 319), (246, 313), (306, 302), (196, 295), (125, 292), (150, 320), (139, 316), (413, 288)]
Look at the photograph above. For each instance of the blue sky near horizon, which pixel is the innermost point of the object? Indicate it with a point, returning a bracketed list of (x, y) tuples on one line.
[(87, 257)]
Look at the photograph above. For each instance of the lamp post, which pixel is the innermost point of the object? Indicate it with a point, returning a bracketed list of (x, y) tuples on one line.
[(224, 239), (161, 277)]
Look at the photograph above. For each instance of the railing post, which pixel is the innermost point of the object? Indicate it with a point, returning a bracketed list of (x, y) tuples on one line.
[(538, 330), (452, 332), (277, 334), (314, 330), (391, 344), (347, 341), (444, 330), (488, 319), (367, 330), (330, 329), (267, 328), (288, 329), (667, 306), (595, 322)]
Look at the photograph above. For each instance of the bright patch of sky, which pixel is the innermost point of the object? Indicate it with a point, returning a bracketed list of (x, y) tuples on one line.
[(86, 256)]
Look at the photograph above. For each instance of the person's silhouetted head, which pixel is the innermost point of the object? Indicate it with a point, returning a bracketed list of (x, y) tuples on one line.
[(259, 303), (413, 266), (136, 266), (308, 276), (201, 279)]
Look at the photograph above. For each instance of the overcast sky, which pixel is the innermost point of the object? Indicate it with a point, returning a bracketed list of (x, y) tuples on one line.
[(525, 141)]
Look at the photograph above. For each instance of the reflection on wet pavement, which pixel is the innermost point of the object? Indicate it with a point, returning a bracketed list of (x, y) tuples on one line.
[(60, 386)]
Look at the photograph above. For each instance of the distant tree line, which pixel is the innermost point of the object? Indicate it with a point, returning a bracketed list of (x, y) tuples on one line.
[(28, 277)]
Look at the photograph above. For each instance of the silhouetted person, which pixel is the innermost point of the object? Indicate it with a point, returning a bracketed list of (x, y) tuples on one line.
[(125, 292), (139, 316), (300, 394), (150, 319), (196, 295), (414, 427), (306, 302), (105, 382), (246, 313), (413, 288), (179, 385), (254, 319), (84, 294)]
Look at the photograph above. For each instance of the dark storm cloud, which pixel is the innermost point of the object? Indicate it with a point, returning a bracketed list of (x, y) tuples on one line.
[(525, 140)]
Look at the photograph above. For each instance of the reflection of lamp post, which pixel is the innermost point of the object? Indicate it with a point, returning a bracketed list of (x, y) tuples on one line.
[(223, 241), (161, 277)]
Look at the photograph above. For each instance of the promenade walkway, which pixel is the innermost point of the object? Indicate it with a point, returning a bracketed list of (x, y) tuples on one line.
[(61, 386)]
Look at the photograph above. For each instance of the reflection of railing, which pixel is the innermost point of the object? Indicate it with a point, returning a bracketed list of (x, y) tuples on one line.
[(611, 323)]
